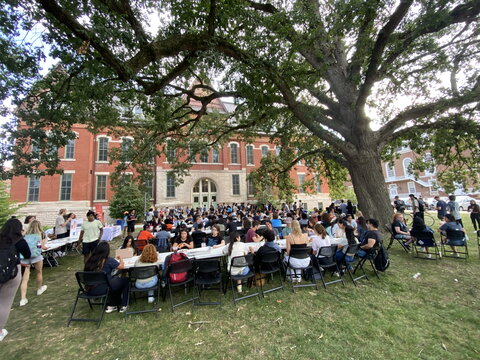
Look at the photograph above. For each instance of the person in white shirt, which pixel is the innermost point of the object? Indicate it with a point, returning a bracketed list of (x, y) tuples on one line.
[(320, 238)]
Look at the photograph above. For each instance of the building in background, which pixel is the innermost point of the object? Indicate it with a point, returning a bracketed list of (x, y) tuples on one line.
[(216, 176)]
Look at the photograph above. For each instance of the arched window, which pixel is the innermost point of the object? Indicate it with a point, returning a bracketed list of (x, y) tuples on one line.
[(406, 167), (265, 151), (390, 170)]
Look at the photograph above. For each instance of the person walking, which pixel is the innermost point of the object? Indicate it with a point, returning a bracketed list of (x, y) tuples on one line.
[(92, 231), (474, 211), (454, 209), (441, 208), (12, 244)]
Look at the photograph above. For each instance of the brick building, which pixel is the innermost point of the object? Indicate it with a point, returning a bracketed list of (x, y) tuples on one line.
[(216, 176)]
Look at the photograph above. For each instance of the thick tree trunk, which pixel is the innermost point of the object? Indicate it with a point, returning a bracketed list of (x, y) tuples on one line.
[(365, 169)]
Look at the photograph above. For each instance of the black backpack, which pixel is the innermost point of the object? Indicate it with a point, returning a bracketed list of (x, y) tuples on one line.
[(381, 261), (421, 206), (8, 264)]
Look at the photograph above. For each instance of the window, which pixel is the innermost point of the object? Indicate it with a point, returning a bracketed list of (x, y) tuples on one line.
[(66, 187), (236, 184), (264, 151), (411, 187), (215, 156), (250, 187), (204, 156), (430, 170), (278, 150), (170, 185), (149, 188), (406, 167), (301, 181), (390, 171), (318, 185), (433, 187), (234, 153), (392, 188), (101, 193), (103, 149), (170, 152), (126, 149), (33, 188), (191, 155), (249, 151), (70, 149)]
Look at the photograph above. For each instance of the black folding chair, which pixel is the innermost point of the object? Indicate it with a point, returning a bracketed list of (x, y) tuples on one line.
[(178, 267), (269, 263), (208, 276), (393, 238), (300, 253), (425, 239), (478, 242), (352, 249), (326, 260), (88, 281), (370, 257), (138, 273), (455, 235), (240, 262)]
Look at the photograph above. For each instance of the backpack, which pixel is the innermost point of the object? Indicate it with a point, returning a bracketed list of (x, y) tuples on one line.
[(178, 277), (381, 261), (32, 241), (421, 206), (8, 264)]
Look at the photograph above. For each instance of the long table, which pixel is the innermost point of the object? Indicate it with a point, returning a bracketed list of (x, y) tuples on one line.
[(111, 232)]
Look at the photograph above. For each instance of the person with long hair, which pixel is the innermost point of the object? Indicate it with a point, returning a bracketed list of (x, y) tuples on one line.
[(100, 260), (419, 225), (342, 248), (320, 238), (11, 239), (149, 257), (474, 210), (36, 240), (129, 243), (237, 248), (183, 240), (215, 239), (297, 239)]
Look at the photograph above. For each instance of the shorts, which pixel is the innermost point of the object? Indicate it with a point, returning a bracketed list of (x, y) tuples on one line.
[(31, 261), (89, 247), (401, 236), (456, 242)]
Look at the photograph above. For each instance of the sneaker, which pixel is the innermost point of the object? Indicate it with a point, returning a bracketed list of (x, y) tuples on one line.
[(456, 254), (151, 299), (23, 302), (42, 290), (123, 309), (428, 256), (239, 288), (3, 334), (110, 309), (422, 249)]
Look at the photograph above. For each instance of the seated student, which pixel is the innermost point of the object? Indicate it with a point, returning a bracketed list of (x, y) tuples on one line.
[(237, 248), (199, 236), (99, 260), (163, 239), (361, 228), (129, 243), (371, 239), (269, 247), (338, 229), (320, 238), (452, 224), (183, 240), (342, 248), (214, 239), (294, 241), (252, 235), (350, 221), (145, 234), (287, 230), (149, 257), (399, 228), (268, 225), (276, 222), (419, 225)]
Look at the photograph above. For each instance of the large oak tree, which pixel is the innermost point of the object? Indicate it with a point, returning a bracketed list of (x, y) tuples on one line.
[(313, 74)]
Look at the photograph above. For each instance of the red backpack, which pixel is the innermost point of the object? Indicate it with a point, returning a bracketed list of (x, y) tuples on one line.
[(177, 277)]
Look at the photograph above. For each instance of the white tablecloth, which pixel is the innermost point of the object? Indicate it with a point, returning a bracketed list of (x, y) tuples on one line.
[(111, 232)]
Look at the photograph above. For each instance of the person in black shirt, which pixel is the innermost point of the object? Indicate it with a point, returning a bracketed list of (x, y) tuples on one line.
[(371, 240), (11, 235)]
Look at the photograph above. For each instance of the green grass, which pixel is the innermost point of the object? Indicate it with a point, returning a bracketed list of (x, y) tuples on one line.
[(436, 316)]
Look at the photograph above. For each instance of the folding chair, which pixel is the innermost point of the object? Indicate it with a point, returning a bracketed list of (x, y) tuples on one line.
[(268, 264), (241, 262), (424, 239), (140, 244), (352, 249), (326, 260), (370, 257), (178, 268), (88, 280), (455, 236), (208, 274), (393, 238), (142, 272), (300, 253), (478, 242)]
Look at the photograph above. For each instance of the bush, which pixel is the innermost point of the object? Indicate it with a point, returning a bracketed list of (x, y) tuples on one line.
[(7, 207), (127, 197)]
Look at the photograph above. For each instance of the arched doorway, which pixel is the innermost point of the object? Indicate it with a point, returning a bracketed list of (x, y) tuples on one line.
[(204, 193)]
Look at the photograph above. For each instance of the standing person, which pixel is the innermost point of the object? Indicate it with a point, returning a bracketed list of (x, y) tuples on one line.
[(454, 209), (101, 261), (399, 204), (474, 211), (415, 206), (343, 207), (441, 208), (350, 208), (12, 244), (131, 219), (33, 237), (92, 231), (125, 224), (61, 224)]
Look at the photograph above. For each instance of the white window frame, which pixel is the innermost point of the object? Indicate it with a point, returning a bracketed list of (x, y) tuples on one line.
[(235, 184), (390, 171), (301, 189), (168, 187), (249, 148), (406, 171), (98, 148), (236, 146), (264, 155), (411, 185), (61, 186), (96, 187), (67, 146), (29, 188), (393, 190), (250, 188)]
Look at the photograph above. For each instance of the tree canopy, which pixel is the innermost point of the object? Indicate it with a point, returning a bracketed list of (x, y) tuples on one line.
[(338, 83)]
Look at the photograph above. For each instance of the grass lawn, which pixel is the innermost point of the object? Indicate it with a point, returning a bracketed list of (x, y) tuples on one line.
[(436, 316)]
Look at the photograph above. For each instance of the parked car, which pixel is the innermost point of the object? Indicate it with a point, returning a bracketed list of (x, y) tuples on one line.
[(464, 201)]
